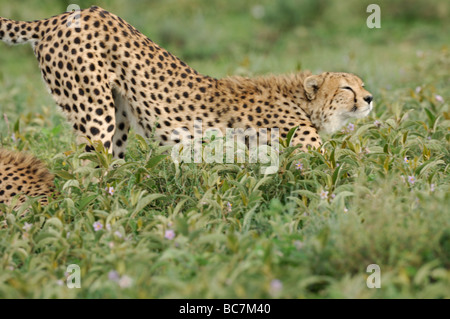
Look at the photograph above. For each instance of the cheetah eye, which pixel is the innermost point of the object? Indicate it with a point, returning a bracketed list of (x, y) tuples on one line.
[(347, 88)]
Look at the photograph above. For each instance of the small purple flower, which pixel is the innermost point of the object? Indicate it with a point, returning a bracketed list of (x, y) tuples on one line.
[(333, 195), (377, 123), (13, 137), (98, 226), (432, 187), (170, 234), (113, 276), (125, 282), (298, 244), (411, 180), (110, 190), (27, 227), (351, 127), (418, 89), (323, 194), (299, 166), (406, 160), (439, 98), (276, 286), (229, 207)]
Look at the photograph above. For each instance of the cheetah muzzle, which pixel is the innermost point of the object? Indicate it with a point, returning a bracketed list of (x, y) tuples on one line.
[(107, 77)]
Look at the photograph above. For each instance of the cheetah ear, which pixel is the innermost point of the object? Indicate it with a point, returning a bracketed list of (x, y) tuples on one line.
[(312, 84)]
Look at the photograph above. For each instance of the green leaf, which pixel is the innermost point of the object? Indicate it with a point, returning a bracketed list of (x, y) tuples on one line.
[(55, 222), (248, 217), (425, 167), (262, 181), (336, 174), (155, 160), (146, 201), (179, 206), (142, 143), (290, 135), (307, 193), (63, 174), (431, 117), (71, 183), (82, 204), (17, 126)]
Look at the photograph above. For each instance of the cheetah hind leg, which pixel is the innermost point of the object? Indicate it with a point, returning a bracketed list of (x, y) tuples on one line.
[(120, 137), (93, 117)]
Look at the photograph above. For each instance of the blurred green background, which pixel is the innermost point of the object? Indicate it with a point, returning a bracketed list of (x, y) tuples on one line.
[(223, 37)]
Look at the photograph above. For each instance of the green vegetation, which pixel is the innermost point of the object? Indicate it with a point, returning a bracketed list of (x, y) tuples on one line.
[(378, 195)]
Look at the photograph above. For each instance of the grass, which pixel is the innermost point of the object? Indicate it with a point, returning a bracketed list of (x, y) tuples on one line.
[(225, 230)]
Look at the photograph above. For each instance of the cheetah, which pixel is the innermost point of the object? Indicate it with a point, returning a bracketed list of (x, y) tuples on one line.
[(107, 77), (23, 175)]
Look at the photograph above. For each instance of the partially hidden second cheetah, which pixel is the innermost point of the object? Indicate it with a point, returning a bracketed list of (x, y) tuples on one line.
[(24, 176)]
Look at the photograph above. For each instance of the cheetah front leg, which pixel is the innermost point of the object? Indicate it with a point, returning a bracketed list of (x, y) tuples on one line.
[(307, 136)]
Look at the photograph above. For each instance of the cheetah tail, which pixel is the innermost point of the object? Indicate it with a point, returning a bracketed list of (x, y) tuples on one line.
[(19, 32)]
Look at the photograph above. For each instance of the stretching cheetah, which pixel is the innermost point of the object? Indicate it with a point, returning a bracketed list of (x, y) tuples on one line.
[(108, 77), (23, 175)]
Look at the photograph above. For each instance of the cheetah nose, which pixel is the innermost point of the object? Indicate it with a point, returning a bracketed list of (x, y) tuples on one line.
[(368, 98)]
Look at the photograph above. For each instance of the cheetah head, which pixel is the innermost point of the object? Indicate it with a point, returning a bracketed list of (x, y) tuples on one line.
[(335, 98)]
